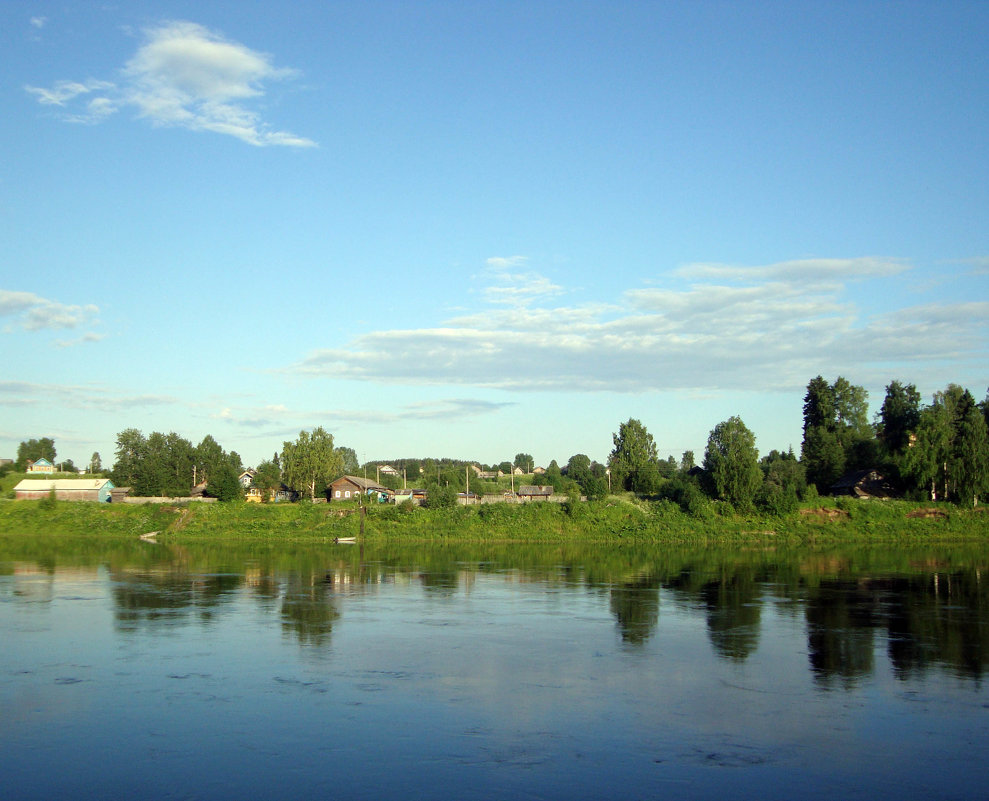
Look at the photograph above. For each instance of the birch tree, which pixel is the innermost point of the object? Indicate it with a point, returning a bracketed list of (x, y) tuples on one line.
[(311, 461)]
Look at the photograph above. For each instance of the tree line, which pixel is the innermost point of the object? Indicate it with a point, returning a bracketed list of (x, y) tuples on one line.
[(937, 451)]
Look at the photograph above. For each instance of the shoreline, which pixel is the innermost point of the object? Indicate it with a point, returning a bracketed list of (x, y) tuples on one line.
[(611, 521)]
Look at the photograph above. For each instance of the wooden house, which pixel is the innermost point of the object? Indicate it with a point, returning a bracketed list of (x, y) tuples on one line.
[(41, 466), (348, 487), (284, 494), (863, 484), (531, 492)]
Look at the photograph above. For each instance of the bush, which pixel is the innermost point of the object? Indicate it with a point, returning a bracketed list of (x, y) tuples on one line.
[(573, 505), (776, 500), (444, 497), (687, 494)]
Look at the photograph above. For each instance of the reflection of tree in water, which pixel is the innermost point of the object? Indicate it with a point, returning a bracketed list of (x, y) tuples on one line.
[(840, 623), (308, 610), (734, 609), (940, 618), (635, 606), (934, 619), (440, 582), (162, 598)]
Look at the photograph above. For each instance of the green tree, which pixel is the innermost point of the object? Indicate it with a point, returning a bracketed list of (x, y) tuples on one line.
[(268, 478), (554, 478), (926, 462), (154, 469), (311, 461), (969, 461), (633, 462), (732, 461), (943, 459), (579, 468), (784, 482), (95, 463), (348, 461), (898, 417), (224, 484), (524, 460), (687, 462), (441, 497), (209, 457), (130, 449), (32, 450), (181, 459), (837, 434)]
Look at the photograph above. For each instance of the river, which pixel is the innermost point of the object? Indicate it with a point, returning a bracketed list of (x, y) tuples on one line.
[(211, 672)]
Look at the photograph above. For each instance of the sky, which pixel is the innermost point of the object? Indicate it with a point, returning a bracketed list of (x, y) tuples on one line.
[(471, 229)]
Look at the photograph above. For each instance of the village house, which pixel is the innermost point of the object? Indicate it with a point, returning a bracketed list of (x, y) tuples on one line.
[(40, 466), (285, 493), (347, 487), (534, 493), (247, 477), (65, 489), (863, 484), (413, 496)]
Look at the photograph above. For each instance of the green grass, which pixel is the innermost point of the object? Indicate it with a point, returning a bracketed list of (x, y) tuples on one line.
[(617, 520)]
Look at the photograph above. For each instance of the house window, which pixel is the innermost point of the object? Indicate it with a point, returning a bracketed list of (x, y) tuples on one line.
[(338, 494), (347, 495)]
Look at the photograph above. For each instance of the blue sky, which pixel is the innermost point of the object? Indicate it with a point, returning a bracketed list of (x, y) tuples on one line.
[(471, 229)]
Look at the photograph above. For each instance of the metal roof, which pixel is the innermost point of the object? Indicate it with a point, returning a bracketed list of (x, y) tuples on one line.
[(48, 484)]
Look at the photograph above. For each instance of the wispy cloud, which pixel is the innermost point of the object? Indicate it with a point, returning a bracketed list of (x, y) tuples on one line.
[(183, 75), (77, 396), (35, 313), (722, 327), (276, 419), (83, 340), (38, 22), (514, 285)]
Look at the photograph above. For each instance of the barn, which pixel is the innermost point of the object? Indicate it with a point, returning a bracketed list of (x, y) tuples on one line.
[(66, 489)]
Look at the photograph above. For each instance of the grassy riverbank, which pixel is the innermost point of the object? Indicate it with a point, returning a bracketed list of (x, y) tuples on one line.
[(616, 520)]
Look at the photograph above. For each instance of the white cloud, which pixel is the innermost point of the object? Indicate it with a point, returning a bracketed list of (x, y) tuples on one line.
[(769, 326), (35, 313), (514, 285), (39, 22), (187, 76), (802, 271), (280, 420), (63, 92), (76, 396), (85, 338)]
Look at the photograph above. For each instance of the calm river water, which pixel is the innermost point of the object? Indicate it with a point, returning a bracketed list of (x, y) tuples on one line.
[(157, 672)]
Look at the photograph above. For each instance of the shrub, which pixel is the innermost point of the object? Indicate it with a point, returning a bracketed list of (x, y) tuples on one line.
[(776, 500), (441, 497)]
